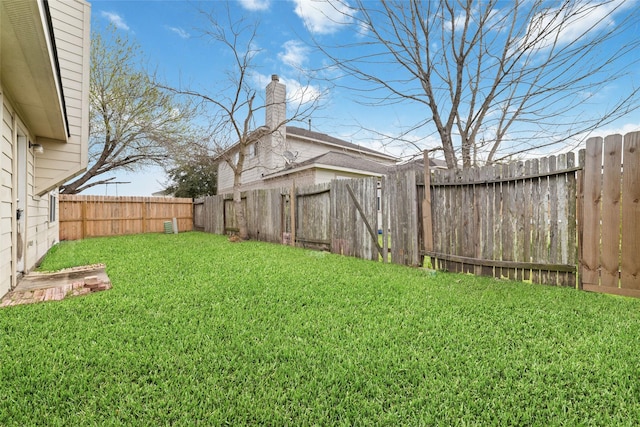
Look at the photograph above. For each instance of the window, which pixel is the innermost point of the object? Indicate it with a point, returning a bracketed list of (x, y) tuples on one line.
[(53, 203), (253, 150)]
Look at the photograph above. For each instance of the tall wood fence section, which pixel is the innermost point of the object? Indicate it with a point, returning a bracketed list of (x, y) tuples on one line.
[(514, 221), (92, 216), (611, 215), (560, 220), (340, 216)]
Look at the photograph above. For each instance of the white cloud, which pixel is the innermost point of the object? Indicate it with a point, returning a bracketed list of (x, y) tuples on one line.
[(180, 32), (116, 20), (458, 22), (295, 53), (566, 24), (322, 17), (298, 94), (622, 129), (255, 5)]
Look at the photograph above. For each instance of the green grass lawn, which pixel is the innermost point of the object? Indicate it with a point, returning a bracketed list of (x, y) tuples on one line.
[(200, 331)]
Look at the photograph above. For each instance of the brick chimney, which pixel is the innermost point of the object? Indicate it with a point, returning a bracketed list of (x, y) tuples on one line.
[(275, 115)]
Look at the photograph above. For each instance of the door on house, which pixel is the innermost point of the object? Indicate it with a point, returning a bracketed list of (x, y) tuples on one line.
[(21, 201)]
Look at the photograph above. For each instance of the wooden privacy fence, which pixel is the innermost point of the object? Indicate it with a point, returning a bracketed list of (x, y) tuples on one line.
[(340, 216), (91, 216), (545, 220), (561, 220), (514, 221), (611, 215)]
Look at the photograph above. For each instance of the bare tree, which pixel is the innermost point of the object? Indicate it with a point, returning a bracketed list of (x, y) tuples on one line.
[(495, 78), (133, 122), (232, 108)]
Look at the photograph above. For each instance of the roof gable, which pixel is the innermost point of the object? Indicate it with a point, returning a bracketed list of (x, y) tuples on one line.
[(328, 140), (335, 160)]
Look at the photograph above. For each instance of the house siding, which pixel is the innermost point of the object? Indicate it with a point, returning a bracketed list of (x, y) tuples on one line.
[(6, 197), (65, 159), (40, 234), (326, 175), (252, 177), (304, 145), (39, 174)]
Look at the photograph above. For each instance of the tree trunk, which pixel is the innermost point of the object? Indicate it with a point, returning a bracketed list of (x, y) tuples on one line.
[(74, 186), (467, 146), (447, 147), (241, 218)]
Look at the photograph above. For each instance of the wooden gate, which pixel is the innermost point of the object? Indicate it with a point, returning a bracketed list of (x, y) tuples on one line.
[(611, 215), (313, 217), (340, 216)]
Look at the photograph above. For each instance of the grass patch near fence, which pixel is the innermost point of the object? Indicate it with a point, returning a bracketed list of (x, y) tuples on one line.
[(197, 330)]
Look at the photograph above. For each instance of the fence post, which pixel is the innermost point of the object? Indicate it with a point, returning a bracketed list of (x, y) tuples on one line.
[(84, 219), (292, 207), (427, 224), (579, 215), (385, 218)]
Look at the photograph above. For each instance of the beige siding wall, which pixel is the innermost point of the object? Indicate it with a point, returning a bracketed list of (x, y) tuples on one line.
[(252, 177), (63, 160), (6, 197), (41, 233), (252, 173), (225, 178), (302, 179)]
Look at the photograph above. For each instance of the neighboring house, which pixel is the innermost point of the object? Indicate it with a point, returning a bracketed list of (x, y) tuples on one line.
[(44, 92), (291, 153)]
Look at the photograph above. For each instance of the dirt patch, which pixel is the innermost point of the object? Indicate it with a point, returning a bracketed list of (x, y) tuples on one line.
[(57, 285)]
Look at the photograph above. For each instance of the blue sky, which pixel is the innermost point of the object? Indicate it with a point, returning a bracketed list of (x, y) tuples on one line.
[(169, 34)]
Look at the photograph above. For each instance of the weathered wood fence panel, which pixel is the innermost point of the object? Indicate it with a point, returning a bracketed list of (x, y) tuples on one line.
[(340, 216), (198, 214), (611, 215), (313, 216), (538, 220), (208, 214), (83, 216), (515, 221), (403, 207), (354, 227), (263, 209)]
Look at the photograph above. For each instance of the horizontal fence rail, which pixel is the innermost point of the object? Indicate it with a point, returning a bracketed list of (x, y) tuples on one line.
[(83, 216)]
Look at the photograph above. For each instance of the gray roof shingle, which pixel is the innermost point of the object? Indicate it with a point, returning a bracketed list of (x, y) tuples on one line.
[(323, 137)]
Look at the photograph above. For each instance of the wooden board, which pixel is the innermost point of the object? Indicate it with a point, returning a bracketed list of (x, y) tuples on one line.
[(630, 262), (592, 189), (611, 181)]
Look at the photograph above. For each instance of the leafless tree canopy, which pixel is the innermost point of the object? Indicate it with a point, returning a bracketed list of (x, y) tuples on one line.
[(495, 78), (133, 122), (233, 105)]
